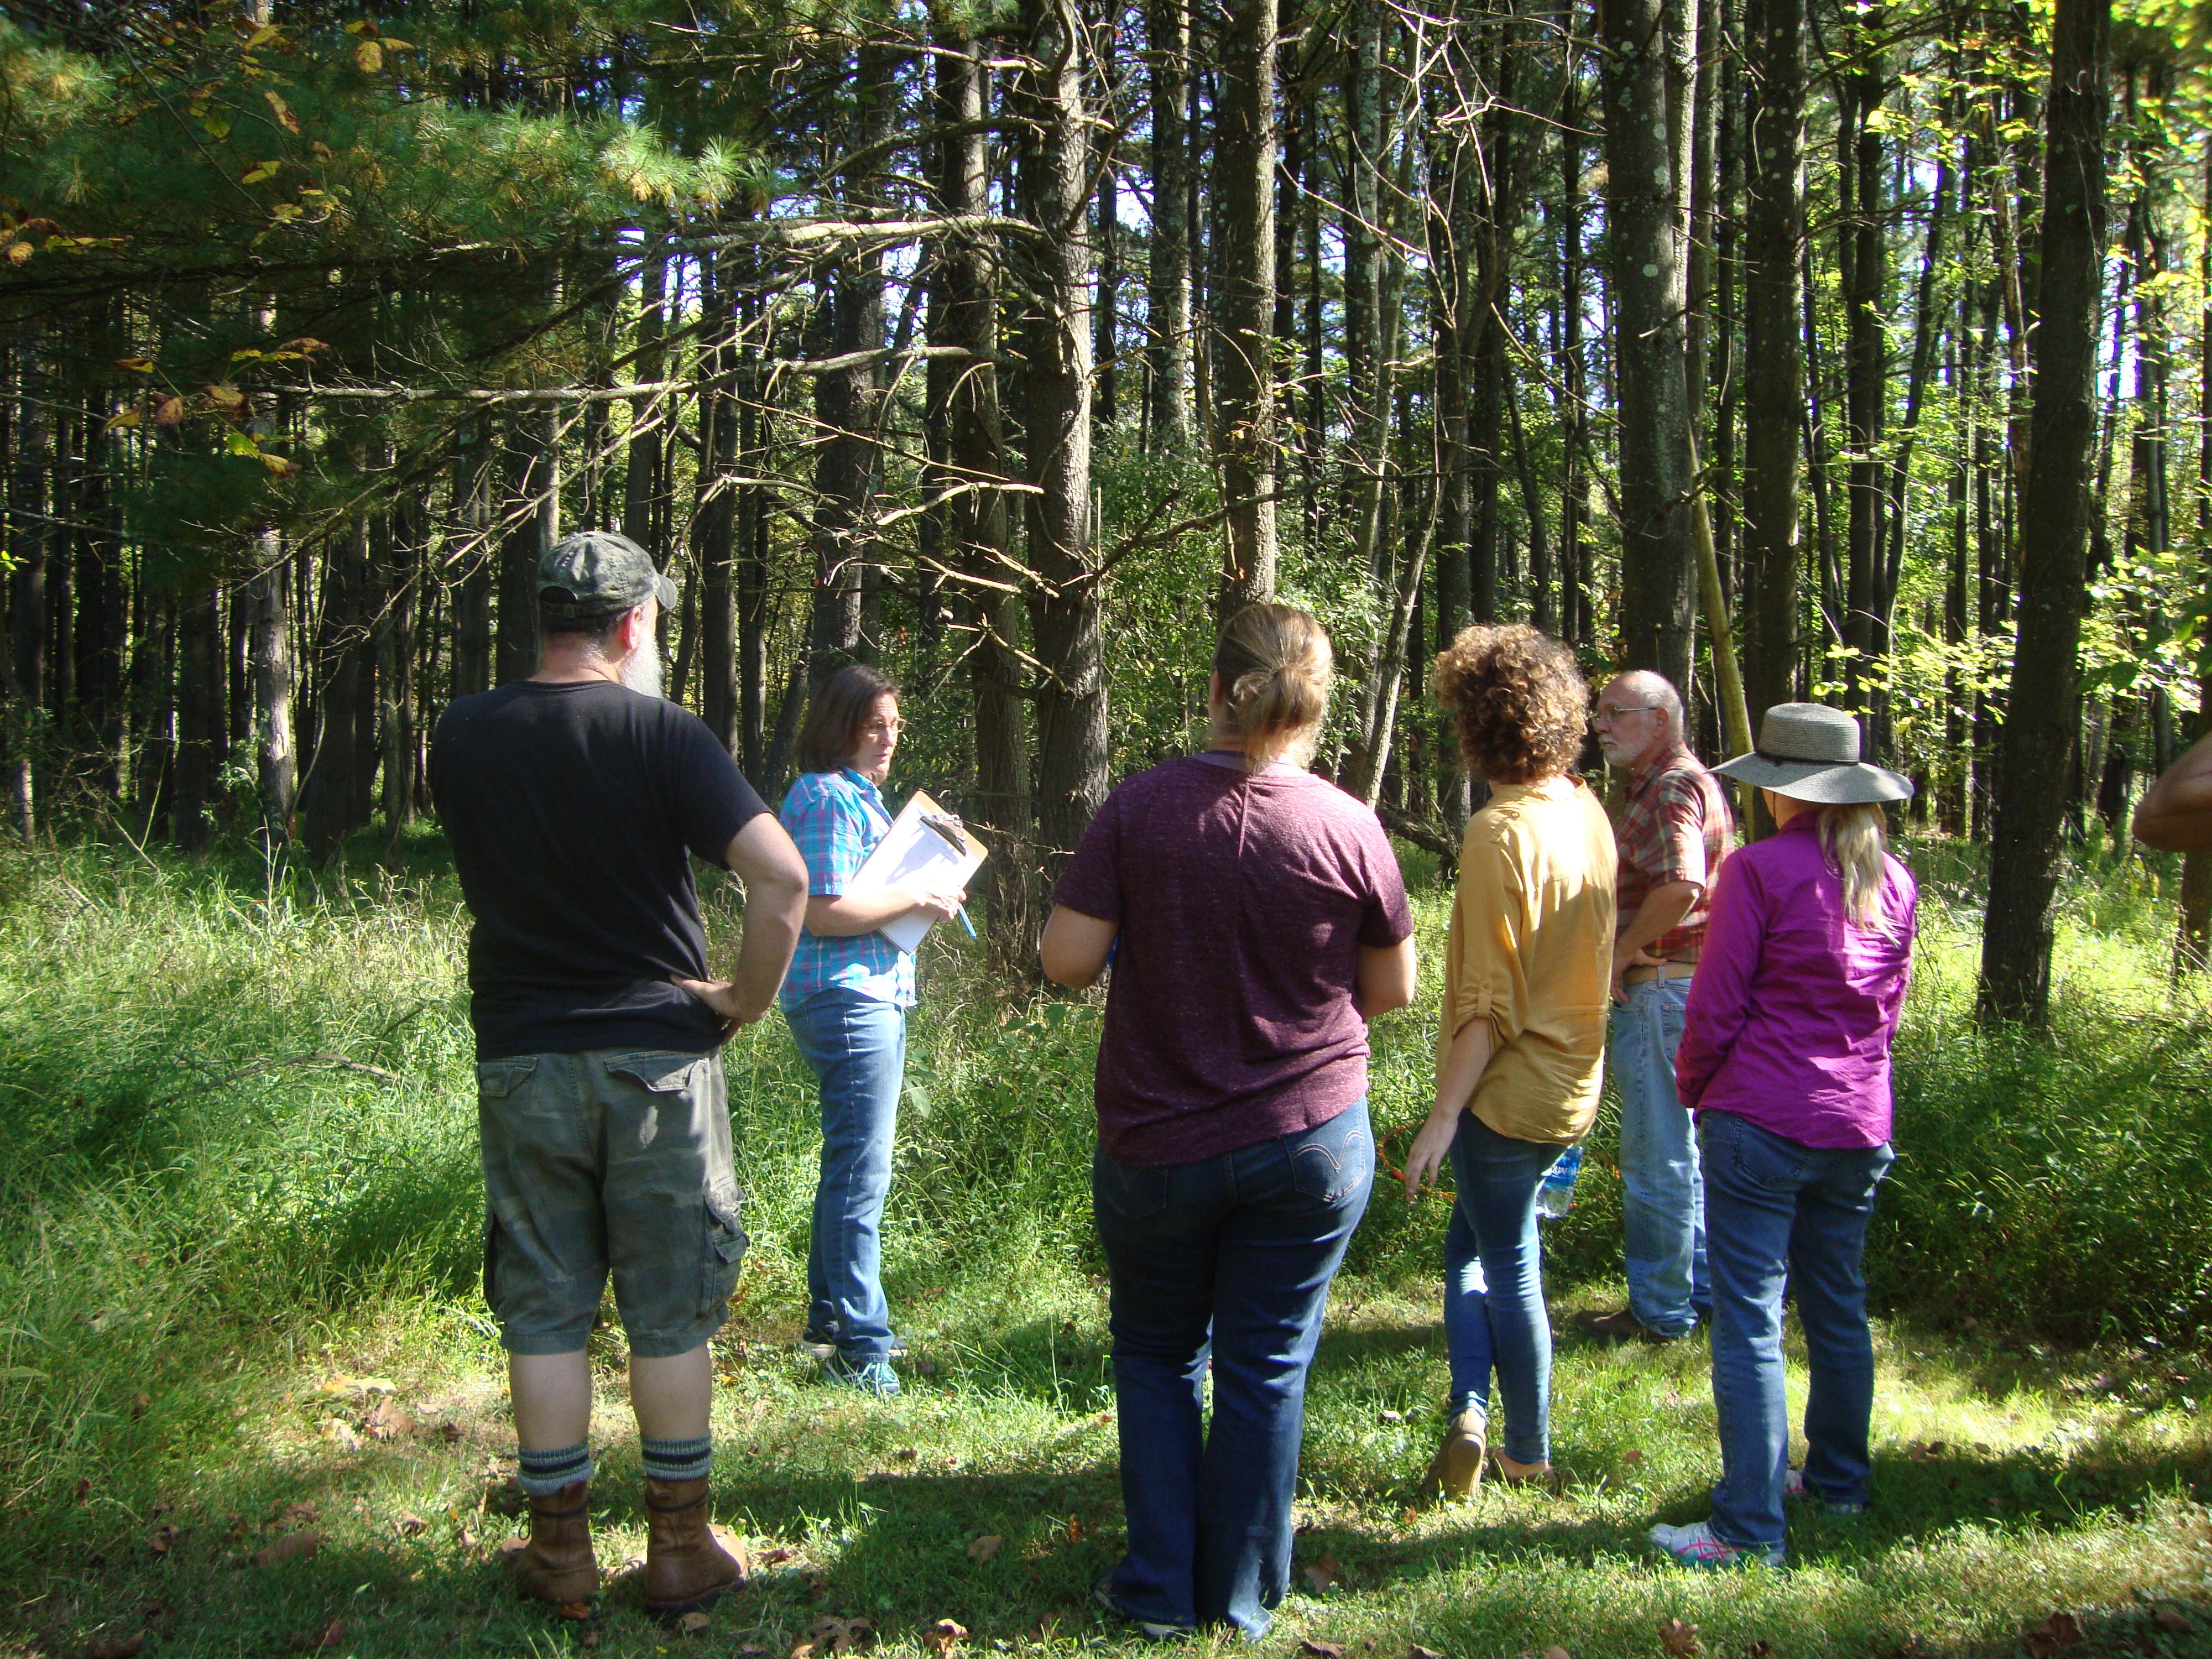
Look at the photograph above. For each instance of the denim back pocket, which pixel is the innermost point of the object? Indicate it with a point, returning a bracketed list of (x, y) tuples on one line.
[(1335, 1159), (1761, 1156), (1131, 1193), (662, 1073), (498, 1079)]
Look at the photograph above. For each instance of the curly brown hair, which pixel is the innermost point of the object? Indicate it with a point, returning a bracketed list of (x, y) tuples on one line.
[(1516, 700)]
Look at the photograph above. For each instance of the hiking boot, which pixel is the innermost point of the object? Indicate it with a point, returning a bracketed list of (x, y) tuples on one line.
[(1511, 1474), (1455, 1472), (1622, 1326), (555, 1563), (1698, 1546), (688, 1562)]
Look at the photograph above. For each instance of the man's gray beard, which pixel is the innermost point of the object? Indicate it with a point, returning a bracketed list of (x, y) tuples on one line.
[(641, 669)]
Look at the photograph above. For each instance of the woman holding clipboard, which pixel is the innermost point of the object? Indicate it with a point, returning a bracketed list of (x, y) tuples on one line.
[(845, 999)]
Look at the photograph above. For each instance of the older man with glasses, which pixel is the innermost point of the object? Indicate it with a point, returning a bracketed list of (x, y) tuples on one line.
[(1673, 830)]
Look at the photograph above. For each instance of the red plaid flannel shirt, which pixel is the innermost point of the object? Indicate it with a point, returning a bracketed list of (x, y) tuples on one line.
[(1674, 826)]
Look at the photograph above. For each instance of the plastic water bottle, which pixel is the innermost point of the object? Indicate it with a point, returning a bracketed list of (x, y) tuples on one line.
[(1557, 1196)]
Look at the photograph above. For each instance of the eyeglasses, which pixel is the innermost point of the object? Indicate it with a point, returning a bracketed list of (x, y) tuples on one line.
[(1603, 716), (881, 728)]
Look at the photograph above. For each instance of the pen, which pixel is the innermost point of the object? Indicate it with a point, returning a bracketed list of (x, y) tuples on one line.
[(962, 910)]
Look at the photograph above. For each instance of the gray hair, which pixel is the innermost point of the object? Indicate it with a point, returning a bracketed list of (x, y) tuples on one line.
[(1656, 690)]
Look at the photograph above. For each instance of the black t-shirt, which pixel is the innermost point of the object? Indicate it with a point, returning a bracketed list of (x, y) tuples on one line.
[(570, 809)]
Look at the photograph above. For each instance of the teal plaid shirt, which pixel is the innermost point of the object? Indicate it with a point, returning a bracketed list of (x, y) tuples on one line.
[(837, 819)]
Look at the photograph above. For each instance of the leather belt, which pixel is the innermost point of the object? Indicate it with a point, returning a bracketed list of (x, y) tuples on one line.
[(1664, 970)]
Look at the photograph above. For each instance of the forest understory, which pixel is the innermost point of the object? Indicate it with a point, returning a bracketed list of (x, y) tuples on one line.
[(251, 1401)]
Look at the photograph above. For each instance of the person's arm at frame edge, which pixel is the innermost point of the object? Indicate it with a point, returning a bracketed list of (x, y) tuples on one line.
[(1075, 947), (2175, 814), (763, 857)]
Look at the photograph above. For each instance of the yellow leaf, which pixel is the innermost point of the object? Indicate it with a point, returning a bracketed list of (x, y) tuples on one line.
[(307, 343), (286, 210), (170, 413), (19, 253), (279, 466), (246, 355), (261, 37), (285, 119), (229, 396), (369, 56), (361, 26), (136, 365), (320, 150), (124, 418), (259, 171), (216, 128), (393, 43)]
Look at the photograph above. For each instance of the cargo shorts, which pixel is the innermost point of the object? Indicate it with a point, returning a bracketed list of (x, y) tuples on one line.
[(609, 1161)]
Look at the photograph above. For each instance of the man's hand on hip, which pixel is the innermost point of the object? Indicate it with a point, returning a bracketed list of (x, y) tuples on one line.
[(723, 996)]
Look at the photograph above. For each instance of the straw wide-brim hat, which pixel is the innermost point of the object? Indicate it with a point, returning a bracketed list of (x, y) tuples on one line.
[(1809, 751)]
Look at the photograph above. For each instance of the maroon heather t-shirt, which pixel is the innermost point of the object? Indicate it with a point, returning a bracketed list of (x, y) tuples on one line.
[(1242, 899)]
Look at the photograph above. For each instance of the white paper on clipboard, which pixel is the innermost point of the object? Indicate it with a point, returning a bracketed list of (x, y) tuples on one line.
[(914, 850)]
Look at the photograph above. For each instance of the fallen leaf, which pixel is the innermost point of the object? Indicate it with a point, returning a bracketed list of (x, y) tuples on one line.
[(409, 1523), (299, 1514), (692, 1623), (575, 1609), (115, 1647), (1046, 1631), (2061, 1630), (941, 1637), (781, 1553), (1417, 1652), (292, 1547), (2167, 1619), (1074, 1530), (356, 1388), (162, 1537), (316, 1640), (1320, 1649), (906, 1453), (1555, 1651), (983, 1548), (1680, 1639), (388, 1421), (1324, 1573), (338, 1432), (1632, 1456), (140, 1405), (84, 1487), (1393, 1417), (751, 1649), (1758, 1649)]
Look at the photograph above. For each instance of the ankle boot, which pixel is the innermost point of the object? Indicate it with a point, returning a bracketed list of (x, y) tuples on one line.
[(554, 1563), (688, 1562), (1456, 1471)]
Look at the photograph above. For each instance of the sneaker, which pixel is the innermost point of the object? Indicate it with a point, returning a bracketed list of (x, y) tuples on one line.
[(1102, 1592), (822, 1347), (1793, 1488), (870, 1376), (1695, 1546), (1623, 1326)]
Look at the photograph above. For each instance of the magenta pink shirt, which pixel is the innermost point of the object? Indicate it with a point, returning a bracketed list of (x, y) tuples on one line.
[(1242, 899), (1791, 1008)]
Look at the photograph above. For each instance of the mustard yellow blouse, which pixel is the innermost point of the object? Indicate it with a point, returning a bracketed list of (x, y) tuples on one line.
[(1531, 951)]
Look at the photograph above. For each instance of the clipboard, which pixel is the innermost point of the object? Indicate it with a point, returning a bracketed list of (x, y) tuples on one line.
[(924, 840)]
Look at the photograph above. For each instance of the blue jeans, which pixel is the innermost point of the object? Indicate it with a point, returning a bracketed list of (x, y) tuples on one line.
[(1494, 1314), (1232, 1254), (1664, 1210), (857, 1046), (1779, 1206)]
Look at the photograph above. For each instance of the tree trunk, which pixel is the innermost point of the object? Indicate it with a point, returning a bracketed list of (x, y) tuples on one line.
[(753, 616), (27, 539), (641, 476), (1774, 180), (715, 522), (2036, 757), (1167, 300), (196, 646), (395, 670), (1244, 304), (1065, 605), (532, 525), (1646, 43), (272, 688), (1865, 267), (474, 463), (2193, 945)]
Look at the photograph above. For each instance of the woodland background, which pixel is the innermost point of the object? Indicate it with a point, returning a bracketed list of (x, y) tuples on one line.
[(1792, 348)]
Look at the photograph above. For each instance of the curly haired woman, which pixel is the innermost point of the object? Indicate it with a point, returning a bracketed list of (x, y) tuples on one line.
[(1520, 1047)]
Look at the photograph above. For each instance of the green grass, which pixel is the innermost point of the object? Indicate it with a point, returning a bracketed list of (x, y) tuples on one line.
[(211, 1240)]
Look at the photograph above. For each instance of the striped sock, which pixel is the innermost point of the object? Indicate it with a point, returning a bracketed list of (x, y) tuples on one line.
[(544, 1473), (678, 1460)]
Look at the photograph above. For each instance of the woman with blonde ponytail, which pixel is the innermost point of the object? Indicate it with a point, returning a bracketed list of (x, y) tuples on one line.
[(1785, 1060), (1256, 922)]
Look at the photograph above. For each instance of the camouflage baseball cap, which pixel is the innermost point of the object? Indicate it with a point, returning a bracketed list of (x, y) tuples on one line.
[(596, 573)]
